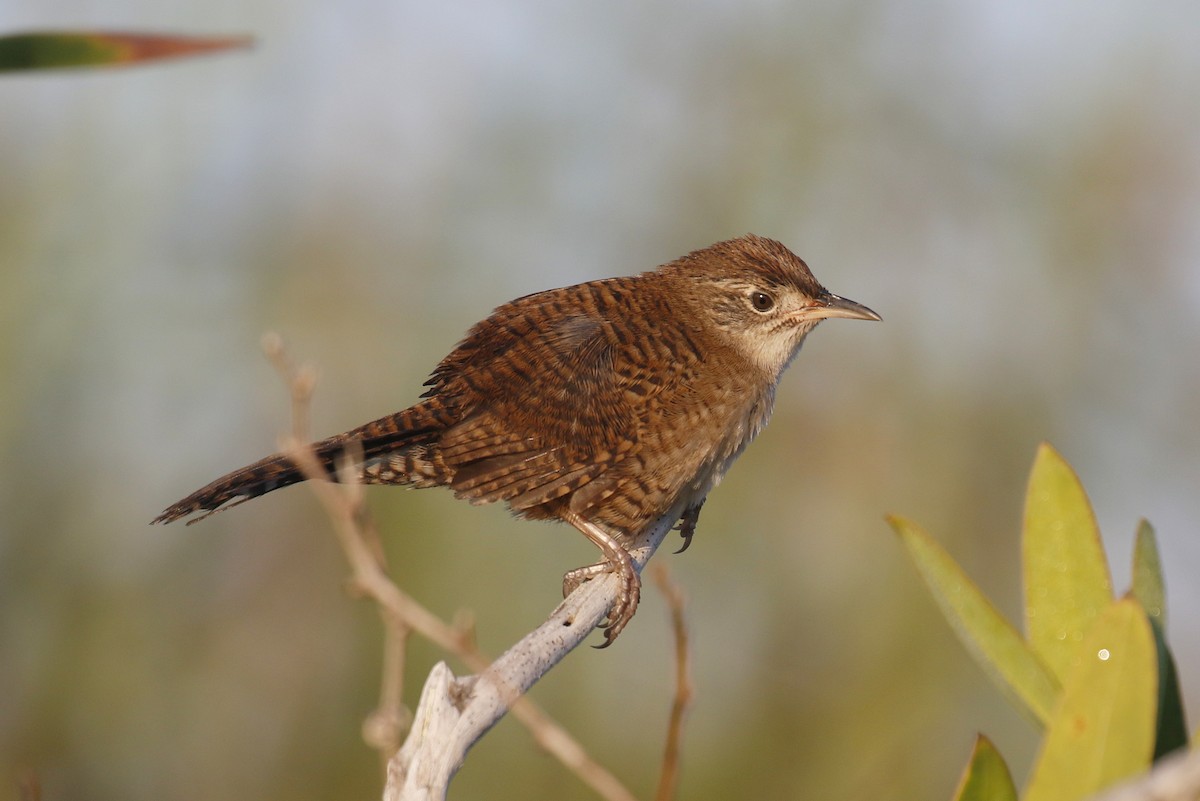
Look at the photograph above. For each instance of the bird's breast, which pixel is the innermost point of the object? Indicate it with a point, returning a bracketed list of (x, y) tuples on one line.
[(743, 426)]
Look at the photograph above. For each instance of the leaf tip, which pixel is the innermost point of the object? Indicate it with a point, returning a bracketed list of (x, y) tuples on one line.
[(900, 525)]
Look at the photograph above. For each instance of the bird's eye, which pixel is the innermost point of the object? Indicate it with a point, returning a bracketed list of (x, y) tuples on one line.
[(761, 301)]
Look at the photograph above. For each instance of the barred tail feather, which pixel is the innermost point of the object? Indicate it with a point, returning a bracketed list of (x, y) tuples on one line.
[(237, 487), (386, 437)]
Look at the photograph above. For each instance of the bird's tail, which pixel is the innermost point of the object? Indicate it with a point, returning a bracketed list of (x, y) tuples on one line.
[(397, 449)]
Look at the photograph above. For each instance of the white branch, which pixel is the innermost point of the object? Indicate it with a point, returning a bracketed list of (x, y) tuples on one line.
[(454, 713), (1175, 778)]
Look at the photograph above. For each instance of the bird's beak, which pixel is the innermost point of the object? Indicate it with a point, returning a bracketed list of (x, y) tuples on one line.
[(831, 305)]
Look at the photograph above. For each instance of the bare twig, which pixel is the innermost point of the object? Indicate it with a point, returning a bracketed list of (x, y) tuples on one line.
[(668, 780), (384, 729), (454, 713), (458, 709), (29, 786)]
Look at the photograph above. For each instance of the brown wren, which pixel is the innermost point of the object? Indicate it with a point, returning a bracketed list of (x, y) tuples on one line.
[(603, 404)]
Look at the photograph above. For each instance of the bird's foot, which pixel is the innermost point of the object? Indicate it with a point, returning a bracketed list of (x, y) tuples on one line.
[(630, 594), (687, 524), (616, 560)]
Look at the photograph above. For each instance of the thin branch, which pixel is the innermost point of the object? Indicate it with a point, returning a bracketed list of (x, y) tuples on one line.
[(384, 729), (29, 786), (456, 713), (668, 780)]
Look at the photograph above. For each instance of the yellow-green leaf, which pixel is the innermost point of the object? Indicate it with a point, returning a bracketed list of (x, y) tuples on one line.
[(1103, 729), (1147, 574), (990, 638), (53, 49), (986, 777), (1067, 583)]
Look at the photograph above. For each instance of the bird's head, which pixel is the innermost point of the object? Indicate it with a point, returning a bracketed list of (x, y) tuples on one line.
[(758, 296)]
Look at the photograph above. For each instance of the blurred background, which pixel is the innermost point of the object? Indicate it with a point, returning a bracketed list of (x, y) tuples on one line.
[(1015, 187)]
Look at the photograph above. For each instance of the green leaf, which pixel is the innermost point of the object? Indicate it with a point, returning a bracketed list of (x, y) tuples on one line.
[(990, 638), (986, 777), (1147, 574), (1171, 732), (1103, 729), (1067, 583), (54, 49)]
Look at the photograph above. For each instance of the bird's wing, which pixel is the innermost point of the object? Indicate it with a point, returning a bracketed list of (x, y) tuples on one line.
[(545, 401)]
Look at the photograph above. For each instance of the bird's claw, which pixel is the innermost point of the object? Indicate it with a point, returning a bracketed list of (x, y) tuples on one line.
[(573, 579), (627, 598), (687, 525), (626, 604), (686, 532)]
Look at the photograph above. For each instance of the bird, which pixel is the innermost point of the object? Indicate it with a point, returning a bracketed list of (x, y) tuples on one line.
[(603, 405)]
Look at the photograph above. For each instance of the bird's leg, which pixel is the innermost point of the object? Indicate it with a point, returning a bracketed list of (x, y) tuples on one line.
[(616, 560), (687, 524)]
